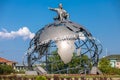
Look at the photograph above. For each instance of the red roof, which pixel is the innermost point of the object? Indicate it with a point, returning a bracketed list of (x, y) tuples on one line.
[(2, 60)]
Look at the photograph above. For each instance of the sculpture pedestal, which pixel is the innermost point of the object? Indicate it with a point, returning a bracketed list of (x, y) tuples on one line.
[(31, 73), (95, 70)]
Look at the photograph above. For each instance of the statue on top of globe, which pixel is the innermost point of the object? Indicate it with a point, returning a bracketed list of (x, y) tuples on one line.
[(62, 14)]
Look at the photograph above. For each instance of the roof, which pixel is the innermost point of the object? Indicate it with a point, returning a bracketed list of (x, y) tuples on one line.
[(21, 65), (117, 57), (3, 60)]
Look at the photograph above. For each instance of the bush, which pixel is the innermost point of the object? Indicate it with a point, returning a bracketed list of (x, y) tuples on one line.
[(114, 71), (40, 78), (5, 69), (105, 67), (20, 71)]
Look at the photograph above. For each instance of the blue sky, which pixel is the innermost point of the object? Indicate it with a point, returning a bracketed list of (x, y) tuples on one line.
[(100, 17)]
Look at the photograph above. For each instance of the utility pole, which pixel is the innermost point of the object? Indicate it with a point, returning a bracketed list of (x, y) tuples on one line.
[(106, 52)]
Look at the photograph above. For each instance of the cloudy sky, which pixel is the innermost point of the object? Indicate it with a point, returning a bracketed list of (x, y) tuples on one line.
[(21, 19)]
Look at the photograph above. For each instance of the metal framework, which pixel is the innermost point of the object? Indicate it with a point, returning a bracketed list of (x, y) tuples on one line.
[(44, 43)]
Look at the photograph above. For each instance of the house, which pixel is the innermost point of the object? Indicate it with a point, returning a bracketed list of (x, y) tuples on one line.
[(7, 62), (20, 67), (114, 60), (17, 67)]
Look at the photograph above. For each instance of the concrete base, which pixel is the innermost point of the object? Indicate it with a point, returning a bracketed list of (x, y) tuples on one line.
[(40, 70), (31, 73), (95, 70)]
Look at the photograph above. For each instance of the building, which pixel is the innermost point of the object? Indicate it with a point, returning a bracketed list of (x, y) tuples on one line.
[(114, 60), (17, 67), (20, 67), (7, 62)]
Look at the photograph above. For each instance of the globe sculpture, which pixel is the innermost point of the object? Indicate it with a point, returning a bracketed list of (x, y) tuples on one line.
[(70, 41)]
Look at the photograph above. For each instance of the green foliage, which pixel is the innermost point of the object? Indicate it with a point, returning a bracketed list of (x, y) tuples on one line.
[(40, 78), (5, 69), (60, 77), (76, 61), (20, 71), (105, 67), (114, 71)]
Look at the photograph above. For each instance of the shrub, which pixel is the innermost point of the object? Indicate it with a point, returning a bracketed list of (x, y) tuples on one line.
[(40, 78), (5, 69), (105, 67)]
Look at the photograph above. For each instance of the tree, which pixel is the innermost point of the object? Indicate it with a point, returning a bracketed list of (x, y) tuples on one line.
[(105, 67), (6, 69), (77, 63)]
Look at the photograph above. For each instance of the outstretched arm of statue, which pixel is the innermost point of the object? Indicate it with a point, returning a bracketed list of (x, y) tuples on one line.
[(53, 9)]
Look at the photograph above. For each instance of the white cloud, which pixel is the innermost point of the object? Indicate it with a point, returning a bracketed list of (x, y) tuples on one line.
[(22, 32)]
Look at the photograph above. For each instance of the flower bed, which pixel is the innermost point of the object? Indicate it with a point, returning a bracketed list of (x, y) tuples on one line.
[(60, 77)]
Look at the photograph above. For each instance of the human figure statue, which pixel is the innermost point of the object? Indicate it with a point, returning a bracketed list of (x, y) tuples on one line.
[(62, 14)]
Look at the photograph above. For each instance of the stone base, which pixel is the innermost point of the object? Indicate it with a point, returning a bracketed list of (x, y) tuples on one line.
[(31, 73), (95, 70)]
